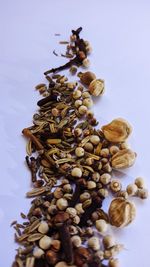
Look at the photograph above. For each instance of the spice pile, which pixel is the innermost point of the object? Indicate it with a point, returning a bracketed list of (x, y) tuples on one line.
[(71, 164)]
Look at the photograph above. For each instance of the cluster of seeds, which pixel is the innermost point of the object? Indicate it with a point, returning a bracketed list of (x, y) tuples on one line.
[(71, 164)]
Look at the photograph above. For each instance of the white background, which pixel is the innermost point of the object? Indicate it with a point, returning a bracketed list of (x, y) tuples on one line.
[(119, 32)]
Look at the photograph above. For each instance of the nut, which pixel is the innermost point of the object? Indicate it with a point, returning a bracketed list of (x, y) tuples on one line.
[(87, 77), (117, 130), (121, 212), (97, 87), (94, 139), (123, 159)]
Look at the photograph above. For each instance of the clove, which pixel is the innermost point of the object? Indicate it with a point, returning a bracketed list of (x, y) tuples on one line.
[(61, 221), (33, 166)]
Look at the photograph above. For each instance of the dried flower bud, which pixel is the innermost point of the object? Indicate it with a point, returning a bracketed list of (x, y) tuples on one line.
[(123, 159), (117, 130), (96, 87), (121, 212), (87, 77)]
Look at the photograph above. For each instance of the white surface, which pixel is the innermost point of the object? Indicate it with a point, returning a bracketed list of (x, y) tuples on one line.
[(119, 32)]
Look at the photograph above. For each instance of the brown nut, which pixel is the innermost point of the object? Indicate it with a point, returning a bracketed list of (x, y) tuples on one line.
[(121, 212), (117, 130)]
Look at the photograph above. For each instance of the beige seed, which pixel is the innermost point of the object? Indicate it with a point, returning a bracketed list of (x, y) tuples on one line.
[(76, 172), (115, 186), (139, 181), (43, 227), (76, 241), (62, 203), (94, 139), (132, 189), (108, 241), (94, 243), (72, 212), (142, 193), (101, 225), (77, 94), (79, 208), (105, 178), (82, 110), (88, 102), (91, 185), (79, 152), (38, 252), (114, 263), (78, 103), (86, 63), (45, 242)]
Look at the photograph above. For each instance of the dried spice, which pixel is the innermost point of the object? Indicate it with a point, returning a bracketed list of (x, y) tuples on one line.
[(71, 164)]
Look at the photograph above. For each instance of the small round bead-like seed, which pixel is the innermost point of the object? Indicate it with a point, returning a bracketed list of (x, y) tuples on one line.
[(139, 181), (86, 95), (82, 110), (113, 150), (101, 225), (72, 212), (103, 192), (94, 243), (113, 263), (85, 196), (86, 63), (77, 94), (94, 139), (38, 252), (108, 241), (91, 185), (43, 227), (96, 176), (79, 208), (105, 178), (88, 147), (76, 172), (76, 241), (79, 152), (132, 189), (78, 103), (104, 152), (88, 102), (45, 242), (62, 203)]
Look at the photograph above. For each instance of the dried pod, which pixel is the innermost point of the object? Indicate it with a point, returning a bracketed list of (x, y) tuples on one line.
[(123, 159), (121, 212), (87, 77), (97, 87), (117, 130)]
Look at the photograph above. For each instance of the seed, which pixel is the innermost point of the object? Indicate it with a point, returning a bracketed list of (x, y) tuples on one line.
[(38, 252), (142, 193), (101, 225), (43, 227), (139, 181), (79, 152), (94, 139), (108, 241), (77, 94), (76, 172), (115, 185), (132, 189), (78, 103), (94, 243), (105, 178), (45, 242), (86, 63), (62, 204), (82, 110), (91, 185), (76, 241), (88, 102)]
